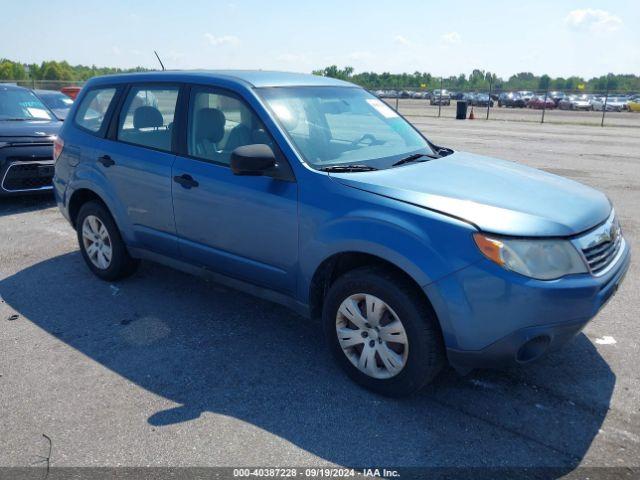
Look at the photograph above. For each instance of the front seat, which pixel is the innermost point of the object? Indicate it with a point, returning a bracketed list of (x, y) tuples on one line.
[(241, 134), (208, 131), (147, 117)]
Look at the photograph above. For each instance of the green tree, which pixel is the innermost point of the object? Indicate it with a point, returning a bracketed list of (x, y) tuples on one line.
[(544, 82), (12, 70)]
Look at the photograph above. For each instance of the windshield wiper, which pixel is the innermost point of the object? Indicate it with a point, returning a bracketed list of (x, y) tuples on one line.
[(443, 151), (348, 168), (414, 158)]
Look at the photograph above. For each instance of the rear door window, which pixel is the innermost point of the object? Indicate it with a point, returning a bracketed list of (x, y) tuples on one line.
[(93, 109), (146, 118)]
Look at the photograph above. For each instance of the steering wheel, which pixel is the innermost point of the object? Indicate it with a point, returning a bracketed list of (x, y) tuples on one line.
[(367, 136)]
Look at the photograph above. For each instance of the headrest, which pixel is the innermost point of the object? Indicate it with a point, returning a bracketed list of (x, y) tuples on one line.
[(147, 117), (209, 124)]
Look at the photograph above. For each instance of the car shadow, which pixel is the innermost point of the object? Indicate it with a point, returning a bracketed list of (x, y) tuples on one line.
[(25, 203), (211, 349)]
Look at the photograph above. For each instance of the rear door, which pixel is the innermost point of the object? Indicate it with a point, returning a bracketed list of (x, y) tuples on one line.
[(136, 158), (245, 227)]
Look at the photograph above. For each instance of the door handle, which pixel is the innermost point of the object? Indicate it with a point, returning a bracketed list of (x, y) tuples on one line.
[(186, 181), (106, 160)]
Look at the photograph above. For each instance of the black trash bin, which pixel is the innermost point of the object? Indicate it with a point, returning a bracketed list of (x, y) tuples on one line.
[(461, 110)]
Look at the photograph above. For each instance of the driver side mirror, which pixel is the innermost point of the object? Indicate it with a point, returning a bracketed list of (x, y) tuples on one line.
[(255, 160)]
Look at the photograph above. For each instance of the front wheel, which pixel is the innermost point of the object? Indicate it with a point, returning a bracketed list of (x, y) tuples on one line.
[(101, 245), (382, 332)]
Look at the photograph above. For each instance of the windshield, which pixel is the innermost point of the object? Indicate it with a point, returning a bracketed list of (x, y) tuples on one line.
[(56, 100), (21, 104), (343, 125)]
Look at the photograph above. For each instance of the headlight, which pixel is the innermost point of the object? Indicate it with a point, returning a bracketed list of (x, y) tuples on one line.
[(541, 259)]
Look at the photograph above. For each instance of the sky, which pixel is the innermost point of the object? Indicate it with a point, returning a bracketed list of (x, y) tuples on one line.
[(560, 38)]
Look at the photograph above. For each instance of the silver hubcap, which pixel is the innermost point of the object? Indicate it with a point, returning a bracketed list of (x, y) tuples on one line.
[(372, 336), (97, 242)]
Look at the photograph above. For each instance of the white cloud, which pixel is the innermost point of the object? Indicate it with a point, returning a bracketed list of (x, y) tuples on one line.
[(400, 40), (593, 20), (231, 40), (451, 38)]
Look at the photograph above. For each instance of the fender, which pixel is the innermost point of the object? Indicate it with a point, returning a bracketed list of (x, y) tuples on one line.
[(405, 235)]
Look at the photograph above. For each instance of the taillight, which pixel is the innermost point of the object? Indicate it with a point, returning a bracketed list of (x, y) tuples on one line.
[(58, 145)]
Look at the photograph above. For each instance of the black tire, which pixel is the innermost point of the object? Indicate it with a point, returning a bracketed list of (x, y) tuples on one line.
[(425, 356), (122, 264)]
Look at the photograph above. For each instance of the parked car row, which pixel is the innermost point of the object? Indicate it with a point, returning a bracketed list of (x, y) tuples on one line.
[(523, 99), (402, 94), (562, 101)]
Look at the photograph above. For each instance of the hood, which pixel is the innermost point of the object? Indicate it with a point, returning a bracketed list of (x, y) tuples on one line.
[(35, 129), (496, 196)]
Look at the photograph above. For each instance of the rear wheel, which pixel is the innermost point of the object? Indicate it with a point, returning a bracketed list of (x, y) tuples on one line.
[(101, 243), (381, 332)]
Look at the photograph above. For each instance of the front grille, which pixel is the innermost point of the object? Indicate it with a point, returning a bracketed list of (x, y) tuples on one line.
[(32, 175), (600, 256), (601, 246)]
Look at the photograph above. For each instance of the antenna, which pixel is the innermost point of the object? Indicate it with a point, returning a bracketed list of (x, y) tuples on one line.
[(158, 57)]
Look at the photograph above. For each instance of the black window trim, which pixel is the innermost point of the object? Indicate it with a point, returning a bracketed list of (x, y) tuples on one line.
[(112, 133), (182, 141), (108, 116)]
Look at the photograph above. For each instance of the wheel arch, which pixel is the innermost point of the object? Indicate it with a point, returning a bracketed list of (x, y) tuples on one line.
[(89, 187), (332, 267), (79, 198)]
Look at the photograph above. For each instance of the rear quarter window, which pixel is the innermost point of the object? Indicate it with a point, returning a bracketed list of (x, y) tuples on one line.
[(93, 108)]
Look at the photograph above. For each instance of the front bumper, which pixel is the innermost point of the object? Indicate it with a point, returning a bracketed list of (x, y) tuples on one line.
[(492, 318)]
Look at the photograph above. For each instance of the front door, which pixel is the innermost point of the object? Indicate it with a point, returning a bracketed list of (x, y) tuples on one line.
[(245, 227)]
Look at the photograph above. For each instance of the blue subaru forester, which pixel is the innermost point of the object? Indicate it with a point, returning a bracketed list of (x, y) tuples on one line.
[(313, 193)]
